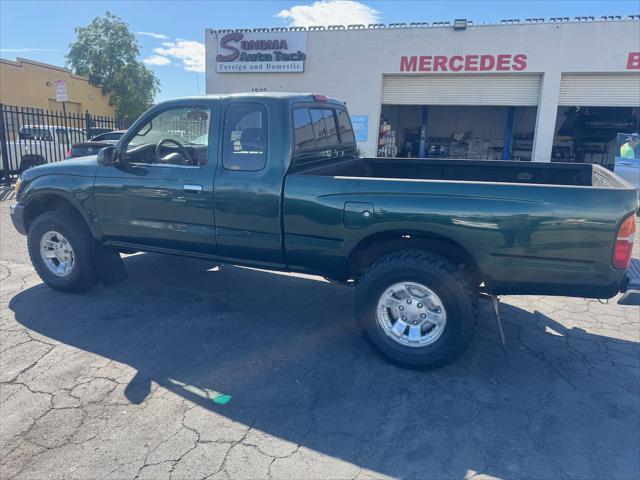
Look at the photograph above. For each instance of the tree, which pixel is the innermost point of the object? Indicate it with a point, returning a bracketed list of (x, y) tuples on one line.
[(106, 52)]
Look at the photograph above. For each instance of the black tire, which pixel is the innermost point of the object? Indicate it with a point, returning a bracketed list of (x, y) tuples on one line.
[(445, 280), (69, 224)]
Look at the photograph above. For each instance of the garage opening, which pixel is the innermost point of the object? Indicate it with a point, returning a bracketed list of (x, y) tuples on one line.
[(470, 116), (593, 110), (589, 134), (457, 132)]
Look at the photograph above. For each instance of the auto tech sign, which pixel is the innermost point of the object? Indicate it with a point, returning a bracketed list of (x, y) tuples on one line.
[(261, 52)]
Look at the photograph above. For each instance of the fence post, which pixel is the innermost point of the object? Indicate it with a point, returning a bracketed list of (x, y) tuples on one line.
[(3, 148), (87, 122)]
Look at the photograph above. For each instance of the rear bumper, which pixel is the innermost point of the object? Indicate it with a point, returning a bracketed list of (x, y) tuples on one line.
[(17, 218), (631, 285)]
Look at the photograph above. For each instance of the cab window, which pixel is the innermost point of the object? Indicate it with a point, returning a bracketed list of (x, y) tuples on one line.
[(302, 129), (244, 145), (346, 130), (174, 137)]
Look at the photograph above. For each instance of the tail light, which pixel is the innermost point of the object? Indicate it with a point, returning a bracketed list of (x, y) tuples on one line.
[(624, 244), (69, 153)]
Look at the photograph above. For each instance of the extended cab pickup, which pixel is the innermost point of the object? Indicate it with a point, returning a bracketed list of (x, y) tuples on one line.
[(275, 181)]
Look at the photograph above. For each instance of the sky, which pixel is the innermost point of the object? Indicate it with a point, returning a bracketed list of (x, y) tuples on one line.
[(171, 32)]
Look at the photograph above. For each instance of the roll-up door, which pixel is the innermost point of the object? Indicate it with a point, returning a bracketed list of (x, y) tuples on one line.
[(515, 90), (600, 90)]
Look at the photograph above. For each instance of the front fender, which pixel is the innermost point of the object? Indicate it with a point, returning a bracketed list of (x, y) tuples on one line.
[(75, 190)]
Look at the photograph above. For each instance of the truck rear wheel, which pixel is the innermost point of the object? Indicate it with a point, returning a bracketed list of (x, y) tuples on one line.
[(61, 250), (417, 308)]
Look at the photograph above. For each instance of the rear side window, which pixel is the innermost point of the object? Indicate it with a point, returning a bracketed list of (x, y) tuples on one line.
[(320, 131), (331, 126), (245, 137), (318, 128), (344, 124), (303, 130)]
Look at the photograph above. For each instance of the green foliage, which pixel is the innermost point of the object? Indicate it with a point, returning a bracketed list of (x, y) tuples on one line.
[(106, 52)]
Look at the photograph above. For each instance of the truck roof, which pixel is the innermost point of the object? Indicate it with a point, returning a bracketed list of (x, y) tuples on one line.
[(290, 96)]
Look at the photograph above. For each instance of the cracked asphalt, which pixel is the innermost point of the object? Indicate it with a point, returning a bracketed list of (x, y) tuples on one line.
[(128, 382)]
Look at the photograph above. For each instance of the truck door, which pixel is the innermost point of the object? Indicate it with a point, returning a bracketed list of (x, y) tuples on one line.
[(161, 193), (248, 184)]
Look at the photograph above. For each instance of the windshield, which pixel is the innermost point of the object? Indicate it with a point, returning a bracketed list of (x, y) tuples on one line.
[(187, 126)]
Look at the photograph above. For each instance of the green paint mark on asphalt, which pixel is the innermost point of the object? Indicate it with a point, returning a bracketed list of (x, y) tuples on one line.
[(222, 399)]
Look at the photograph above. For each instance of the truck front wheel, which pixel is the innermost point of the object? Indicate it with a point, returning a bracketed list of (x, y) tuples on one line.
[(61, 250), (417, 308)]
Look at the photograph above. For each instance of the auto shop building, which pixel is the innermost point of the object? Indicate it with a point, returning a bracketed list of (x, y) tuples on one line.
[(525, 90)]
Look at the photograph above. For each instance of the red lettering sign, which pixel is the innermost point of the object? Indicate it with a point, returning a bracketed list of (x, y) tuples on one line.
[(455, 63), (519, 62), (483, 63), (408, 64), (504, 63), (425, 64), (633, 61), (487, 62), (439, 63), (471, 63)]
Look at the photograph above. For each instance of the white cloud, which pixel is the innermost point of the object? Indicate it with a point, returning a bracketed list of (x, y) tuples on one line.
[(189, 52), (330, 12), (157, 60), (159, 36)]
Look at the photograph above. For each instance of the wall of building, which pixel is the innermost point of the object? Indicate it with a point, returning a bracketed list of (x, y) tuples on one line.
[(350, 64), (31, 84)]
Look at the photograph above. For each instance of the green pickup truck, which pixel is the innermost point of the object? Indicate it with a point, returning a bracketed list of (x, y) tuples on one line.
[(275, 181)]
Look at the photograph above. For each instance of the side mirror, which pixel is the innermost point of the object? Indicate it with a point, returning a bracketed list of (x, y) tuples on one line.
[(107, 156)]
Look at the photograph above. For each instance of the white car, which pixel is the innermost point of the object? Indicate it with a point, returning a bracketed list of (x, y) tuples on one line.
[(40, 144)]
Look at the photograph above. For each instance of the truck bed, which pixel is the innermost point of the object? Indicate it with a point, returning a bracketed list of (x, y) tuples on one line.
[(568, 174), (531, 228)]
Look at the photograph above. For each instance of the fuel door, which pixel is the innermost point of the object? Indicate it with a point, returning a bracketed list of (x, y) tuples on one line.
[(357, 214)]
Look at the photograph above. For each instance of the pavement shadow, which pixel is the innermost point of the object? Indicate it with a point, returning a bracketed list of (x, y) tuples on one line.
[(287, 352)]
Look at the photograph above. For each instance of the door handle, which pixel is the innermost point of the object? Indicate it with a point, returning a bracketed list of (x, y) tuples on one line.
[(193, 188)]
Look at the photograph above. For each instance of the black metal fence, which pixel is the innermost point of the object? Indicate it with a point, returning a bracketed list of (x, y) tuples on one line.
[(32, 136)]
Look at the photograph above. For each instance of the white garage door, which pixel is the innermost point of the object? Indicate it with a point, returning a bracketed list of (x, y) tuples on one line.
[(600, 90), (516, 90)]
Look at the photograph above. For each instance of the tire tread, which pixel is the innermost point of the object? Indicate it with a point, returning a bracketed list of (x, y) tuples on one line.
[(413, 258), (82, 244)]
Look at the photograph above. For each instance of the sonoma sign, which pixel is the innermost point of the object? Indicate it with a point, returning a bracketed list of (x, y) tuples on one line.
[(261, 52), (464, 63)]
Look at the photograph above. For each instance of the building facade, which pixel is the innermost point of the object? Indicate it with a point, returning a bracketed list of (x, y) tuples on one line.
[(27, 83), (535, 90)]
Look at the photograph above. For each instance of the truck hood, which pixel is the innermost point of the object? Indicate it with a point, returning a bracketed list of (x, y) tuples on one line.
[(83, 166)]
